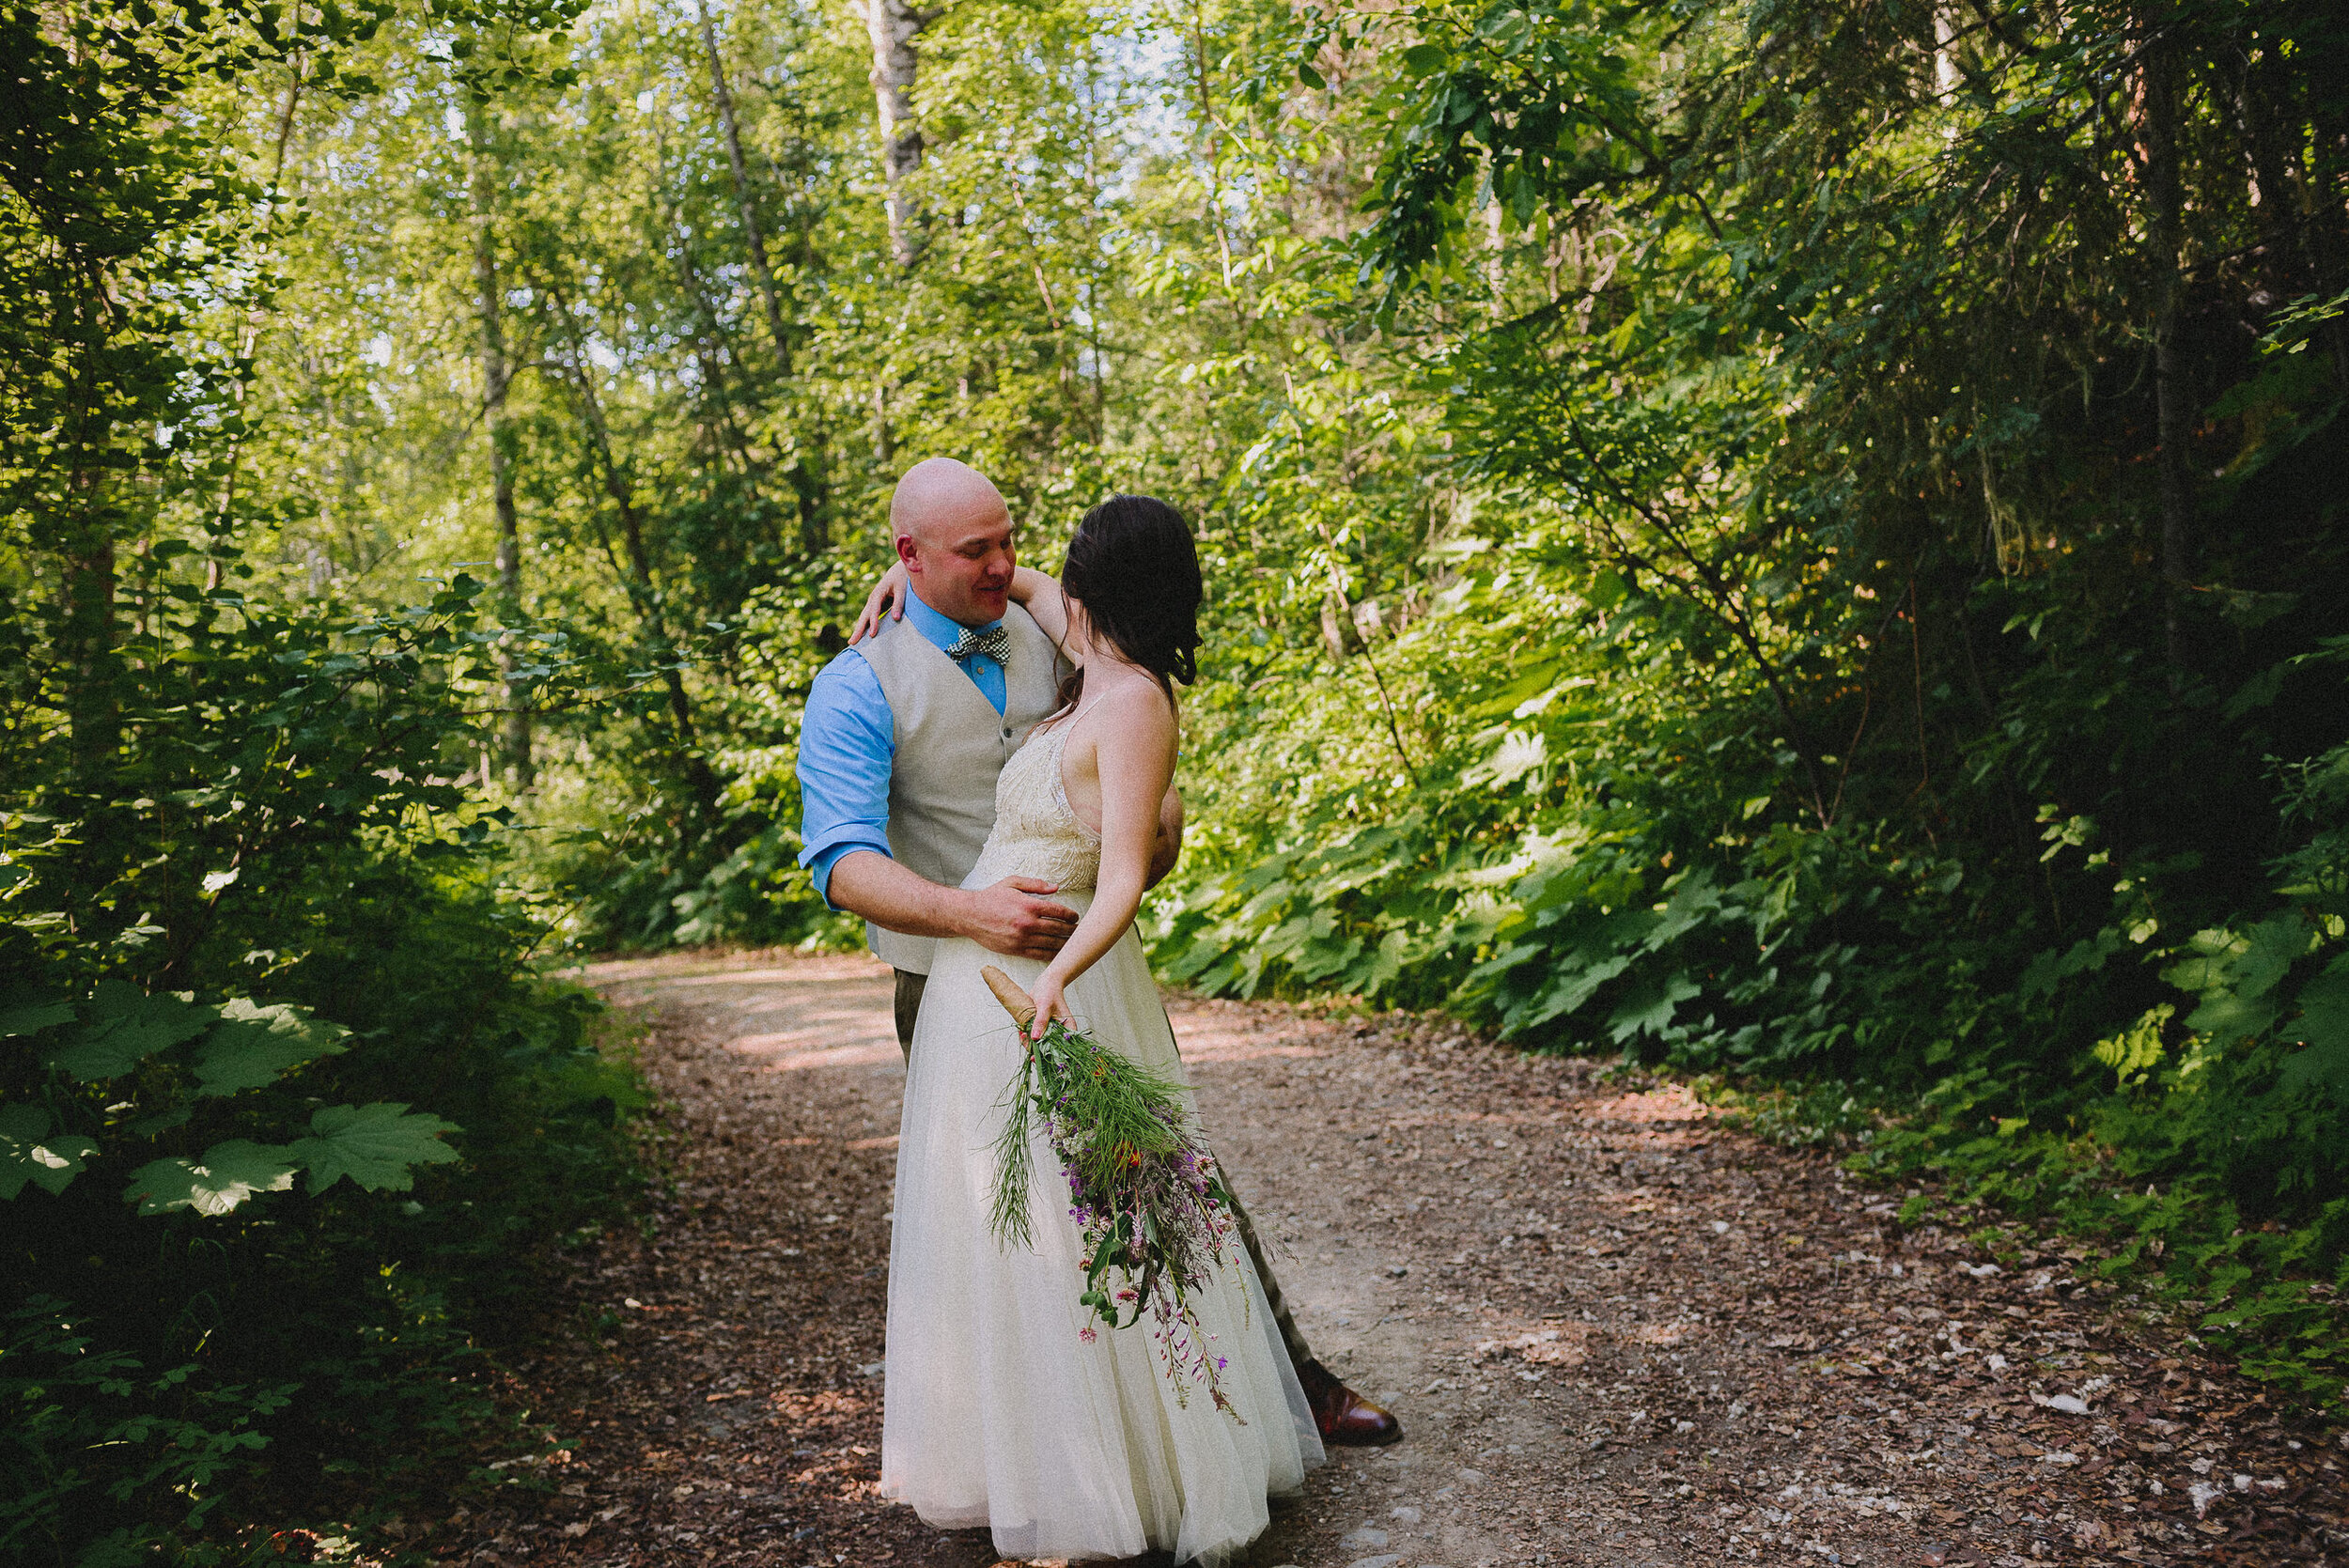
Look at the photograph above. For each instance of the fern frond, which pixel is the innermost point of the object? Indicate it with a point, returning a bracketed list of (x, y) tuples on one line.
[(1015, 1160)]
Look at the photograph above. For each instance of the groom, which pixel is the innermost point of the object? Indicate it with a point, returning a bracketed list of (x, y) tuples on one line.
[(900, 750)]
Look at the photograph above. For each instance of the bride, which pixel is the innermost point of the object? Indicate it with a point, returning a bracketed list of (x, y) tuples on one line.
[(999, 1407)]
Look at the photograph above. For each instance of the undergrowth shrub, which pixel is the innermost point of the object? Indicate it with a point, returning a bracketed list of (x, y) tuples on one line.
[(289, 1122), (2109, 958)]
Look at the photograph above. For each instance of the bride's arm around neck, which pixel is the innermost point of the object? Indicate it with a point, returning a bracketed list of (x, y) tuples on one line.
[(1040, 596), (1128, 736)]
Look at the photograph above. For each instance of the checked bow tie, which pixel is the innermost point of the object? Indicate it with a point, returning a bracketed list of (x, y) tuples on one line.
[(996, 645)]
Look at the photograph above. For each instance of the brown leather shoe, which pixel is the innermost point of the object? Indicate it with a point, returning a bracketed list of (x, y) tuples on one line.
[(1346, 1418)]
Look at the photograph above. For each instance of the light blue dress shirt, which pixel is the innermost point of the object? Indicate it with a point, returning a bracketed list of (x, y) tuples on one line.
[(848, 745)]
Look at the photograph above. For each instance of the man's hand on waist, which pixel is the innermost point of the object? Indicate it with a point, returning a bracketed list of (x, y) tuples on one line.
[(1012, 916)]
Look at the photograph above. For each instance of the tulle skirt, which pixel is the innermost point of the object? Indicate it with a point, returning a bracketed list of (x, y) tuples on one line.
[(997, 1411)]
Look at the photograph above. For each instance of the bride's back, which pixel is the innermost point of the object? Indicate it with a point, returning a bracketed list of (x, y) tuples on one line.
[(1115, 721)]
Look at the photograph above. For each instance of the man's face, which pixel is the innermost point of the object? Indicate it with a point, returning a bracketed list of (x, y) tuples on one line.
[(961, 560)]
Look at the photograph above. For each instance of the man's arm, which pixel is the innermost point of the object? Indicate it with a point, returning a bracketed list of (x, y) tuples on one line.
[(1009, 917), (847, 746), (1168, 847)]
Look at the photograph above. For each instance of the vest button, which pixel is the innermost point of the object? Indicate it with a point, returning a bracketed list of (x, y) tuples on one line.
[(1006, 731)]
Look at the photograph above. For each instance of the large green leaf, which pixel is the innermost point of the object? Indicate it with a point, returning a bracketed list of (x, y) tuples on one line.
[(2232, 1017), (2051, 969), (257, 1045), (1382, 965), (2324, 1024), (124, 1026), (1575, 980), (2209, 953), (1697, 897), (2276, 943), (1649, 1009), (226, 1176), (1426, 58), (29, 1153), (32, 1018), (375, 1146)]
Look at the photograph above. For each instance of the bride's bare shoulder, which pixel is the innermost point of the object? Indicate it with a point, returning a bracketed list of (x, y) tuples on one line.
[(1134, 705)]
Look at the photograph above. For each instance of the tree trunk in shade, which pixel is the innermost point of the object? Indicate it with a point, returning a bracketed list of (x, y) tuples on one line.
[(807, 474), (2173, 405), (754, 239), (620, 485), (88, 648), (495, 376)]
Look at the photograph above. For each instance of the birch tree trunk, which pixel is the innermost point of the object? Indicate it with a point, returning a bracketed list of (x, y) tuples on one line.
[(1945, 73), (755, 240), (495, 376), (893, 26)]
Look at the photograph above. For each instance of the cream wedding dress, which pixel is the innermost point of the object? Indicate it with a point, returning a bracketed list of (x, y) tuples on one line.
[(996, 1411)]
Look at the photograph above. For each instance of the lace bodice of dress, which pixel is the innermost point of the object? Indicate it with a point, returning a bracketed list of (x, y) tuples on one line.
[(1036, 833)]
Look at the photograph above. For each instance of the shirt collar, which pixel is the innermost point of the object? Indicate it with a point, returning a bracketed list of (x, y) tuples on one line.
[(939, 630)]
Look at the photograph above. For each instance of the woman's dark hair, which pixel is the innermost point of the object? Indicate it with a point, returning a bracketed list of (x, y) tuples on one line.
[(1135, 569)]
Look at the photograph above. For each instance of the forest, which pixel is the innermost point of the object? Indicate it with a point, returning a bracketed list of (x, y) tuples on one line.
[(1792, 542)]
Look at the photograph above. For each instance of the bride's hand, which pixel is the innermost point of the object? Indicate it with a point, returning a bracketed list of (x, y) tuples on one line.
[(888, 593), (1051, 1003)]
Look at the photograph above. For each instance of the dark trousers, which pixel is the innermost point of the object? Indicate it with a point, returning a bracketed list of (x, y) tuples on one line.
[(909, 1008)]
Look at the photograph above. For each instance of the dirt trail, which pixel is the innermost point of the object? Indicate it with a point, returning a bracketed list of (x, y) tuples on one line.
[(1617, 1333)]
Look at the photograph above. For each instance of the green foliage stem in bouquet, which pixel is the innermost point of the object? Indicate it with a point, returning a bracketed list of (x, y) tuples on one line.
[(1142, 1186)]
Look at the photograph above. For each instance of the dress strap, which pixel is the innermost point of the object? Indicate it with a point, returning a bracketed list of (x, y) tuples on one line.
[(1061, 726), (1060, 785)]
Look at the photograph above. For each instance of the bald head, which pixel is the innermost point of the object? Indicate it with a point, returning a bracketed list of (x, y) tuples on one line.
[(939, 494), (954, 534)]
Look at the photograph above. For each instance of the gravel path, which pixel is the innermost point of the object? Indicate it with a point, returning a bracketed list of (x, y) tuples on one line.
[(1617, 1332)]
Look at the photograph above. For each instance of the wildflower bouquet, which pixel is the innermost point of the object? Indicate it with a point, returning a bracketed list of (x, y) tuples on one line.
[(1143, 1186)]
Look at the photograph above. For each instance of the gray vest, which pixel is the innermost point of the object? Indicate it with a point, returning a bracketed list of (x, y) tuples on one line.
[(951, 744)]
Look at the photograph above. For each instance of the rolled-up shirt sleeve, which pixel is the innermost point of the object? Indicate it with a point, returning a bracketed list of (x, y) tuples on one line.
[(848, 746)]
